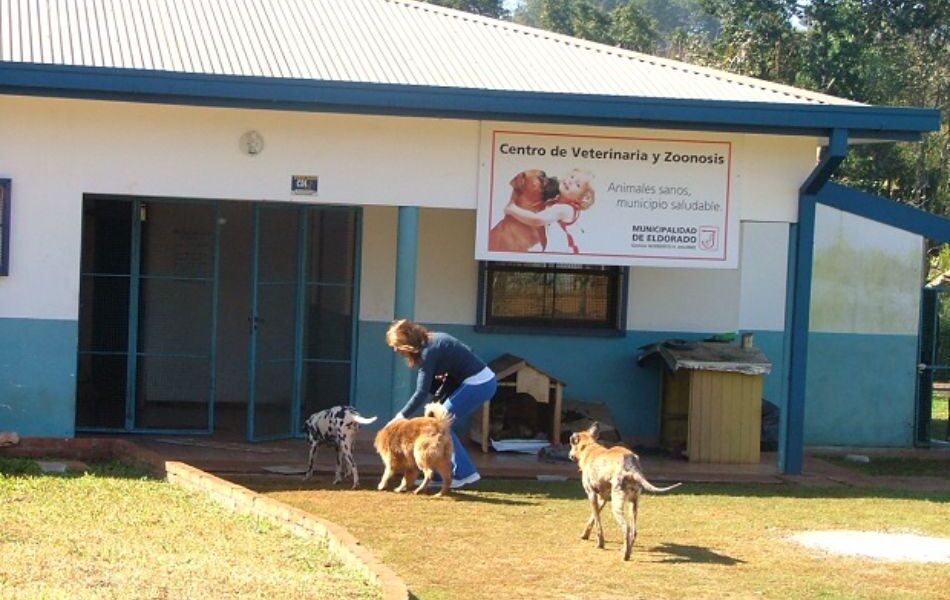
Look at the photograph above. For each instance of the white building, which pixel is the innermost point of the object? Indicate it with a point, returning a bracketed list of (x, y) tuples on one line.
[(217, 208)]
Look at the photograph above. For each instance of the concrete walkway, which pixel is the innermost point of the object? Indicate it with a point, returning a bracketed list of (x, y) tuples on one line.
[(289, 457)]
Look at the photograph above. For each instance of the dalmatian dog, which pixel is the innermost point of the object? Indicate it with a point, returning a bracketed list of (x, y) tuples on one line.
[(336, 427)]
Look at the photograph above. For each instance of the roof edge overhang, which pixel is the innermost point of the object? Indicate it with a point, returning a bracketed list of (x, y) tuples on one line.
[(165, 87)]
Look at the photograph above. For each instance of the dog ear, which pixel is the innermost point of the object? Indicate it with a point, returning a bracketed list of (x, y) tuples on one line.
[(594, 430)]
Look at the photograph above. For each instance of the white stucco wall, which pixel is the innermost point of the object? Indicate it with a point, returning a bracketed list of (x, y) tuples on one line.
[(867, 276), (67, 148), (58, 150), (446, 274), (447, 278), (714, 300), (763, 281), (768, 172), (378, 263)]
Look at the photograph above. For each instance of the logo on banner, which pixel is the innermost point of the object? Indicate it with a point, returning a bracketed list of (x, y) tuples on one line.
[(708, 238)]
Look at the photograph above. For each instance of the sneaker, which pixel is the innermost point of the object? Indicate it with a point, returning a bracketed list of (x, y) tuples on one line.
[(457, 483)]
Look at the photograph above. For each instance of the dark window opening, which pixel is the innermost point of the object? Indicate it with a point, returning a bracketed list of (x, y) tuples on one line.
[(4, 226), (567, 298)]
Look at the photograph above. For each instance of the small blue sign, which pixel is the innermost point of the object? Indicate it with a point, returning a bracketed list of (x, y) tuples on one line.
[(304, 185)]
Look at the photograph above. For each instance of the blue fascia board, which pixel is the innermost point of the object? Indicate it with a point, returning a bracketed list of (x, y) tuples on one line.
[(933, 227), (862, 121)]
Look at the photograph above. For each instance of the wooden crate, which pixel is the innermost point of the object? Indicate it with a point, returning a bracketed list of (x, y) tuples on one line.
[(711, 399), (715, 415)]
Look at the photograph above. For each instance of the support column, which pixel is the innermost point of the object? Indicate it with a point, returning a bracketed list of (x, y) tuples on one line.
[(407, 244), (792, 454)]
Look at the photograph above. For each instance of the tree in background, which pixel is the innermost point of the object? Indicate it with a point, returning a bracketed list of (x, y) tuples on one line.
[(621, 24), (891, 53), (661, 27), (884, 52), (756, 38), (632, 28), (486, 8)]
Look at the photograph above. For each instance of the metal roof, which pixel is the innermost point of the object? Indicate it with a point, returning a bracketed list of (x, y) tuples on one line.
[(392, 46), (367, 41)]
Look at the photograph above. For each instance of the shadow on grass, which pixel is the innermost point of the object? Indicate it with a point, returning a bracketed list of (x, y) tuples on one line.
[(531, 492), (569, 490), (679, 553), (473, 496), (270, 484), (894, 466), (29, 467)]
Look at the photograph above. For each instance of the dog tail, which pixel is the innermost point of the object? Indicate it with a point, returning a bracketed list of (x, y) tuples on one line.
[(363, 420), (632, 472), (438, 412)]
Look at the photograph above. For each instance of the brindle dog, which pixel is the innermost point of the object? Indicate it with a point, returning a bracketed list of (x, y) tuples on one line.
[(612, 474)]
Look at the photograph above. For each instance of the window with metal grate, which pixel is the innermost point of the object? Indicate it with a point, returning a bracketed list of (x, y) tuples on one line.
[(553, 298)]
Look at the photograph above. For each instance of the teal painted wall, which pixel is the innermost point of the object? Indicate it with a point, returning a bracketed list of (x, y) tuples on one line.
[(38, 377), (860, 387), (595, 369), (860, 390)]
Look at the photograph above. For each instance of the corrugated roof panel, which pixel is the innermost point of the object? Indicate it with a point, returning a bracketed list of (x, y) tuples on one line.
[(75, 54), (165, 44), (367, 41), (209, 32), (312, 65), (120, 43), (236, 58), (362, 30), (295, 51)]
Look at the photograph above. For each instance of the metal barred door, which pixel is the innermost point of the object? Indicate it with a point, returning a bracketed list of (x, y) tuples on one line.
[(273, 395), (934, 368)]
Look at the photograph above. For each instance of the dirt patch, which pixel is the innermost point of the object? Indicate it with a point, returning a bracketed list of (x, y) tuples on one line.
[(881, 546)]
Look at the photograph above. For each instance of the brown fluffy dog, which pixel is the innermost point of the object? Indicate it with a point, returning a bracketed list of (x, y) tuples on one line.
[(529, 190), (610, 474), (421, 443)]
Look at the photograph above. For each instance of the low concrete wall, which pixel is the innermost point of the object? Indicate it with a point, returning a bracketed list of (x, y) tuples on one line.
[(243, 500)]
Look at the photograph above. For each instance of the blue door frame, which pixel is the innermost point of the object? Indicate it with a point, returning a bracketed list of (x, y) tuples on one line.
[(134, 354), (261, 282), (934, 366), (303, 284)]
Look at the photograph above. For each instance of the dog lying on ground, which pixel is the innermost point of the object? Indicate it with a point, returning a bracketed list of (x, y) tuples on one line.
[(336, 427), (612, 474), (424, 443), (529, 190)]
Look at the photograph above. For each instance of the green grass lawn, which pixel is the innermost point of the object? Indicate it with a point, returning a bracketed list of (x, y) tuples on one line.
[(520, 539), (115, 533), (897, 466)]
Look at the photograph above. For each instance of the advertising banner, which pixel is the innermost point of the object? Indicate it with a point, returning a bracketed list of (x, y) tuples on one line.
[(589, 199)]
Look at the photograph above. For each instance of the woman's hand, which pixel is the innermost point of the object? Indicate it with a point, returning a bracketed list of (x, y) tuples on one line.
[(395, 419)]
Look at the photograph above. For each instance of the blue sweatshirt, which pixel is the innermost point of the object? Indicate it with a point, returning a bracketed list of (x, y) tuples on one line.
[(441, 354)]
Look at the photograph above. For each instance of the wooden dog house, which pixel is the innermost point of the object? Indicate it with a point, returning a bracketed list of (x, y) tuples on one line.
[(711, 400), (518, 377)]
